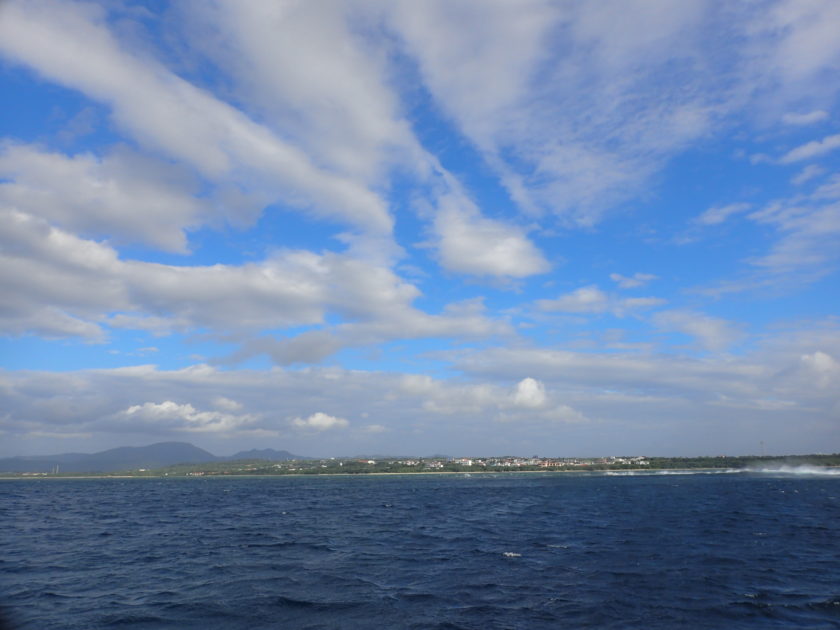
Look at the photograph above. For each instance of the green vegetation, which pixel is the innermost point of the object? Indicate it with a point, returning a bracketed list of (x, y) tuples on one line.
[(442, 464)]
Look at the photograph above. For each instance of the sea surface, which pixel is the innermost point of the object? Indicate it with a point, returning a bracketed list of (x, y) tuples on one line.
[(554, 550)]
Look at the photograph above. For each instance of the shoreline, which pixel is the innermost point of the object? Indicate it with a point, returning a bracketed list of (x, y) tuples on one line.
[(361, 474), (614, 472)]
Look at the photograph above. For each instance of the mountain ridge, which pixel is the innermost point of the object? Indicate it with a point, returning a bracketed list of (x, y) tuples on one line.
[(157, 455)]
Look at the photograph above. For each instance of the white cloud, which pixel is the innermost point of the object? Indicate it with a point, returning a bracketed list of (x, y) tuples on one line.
[(592, 300), (823, 367), (575, 109), (47, 268), (397, 323), (830, 190), (60, 285), (626, 305), (808, 118), (804, 48), (320, 421), (622, 382), (584, 300), (47, 322), (472, 244), (808, 228), (374, 428), (70, 44), (124, 195), (529, 393), (528, 402), (811, 149), (477, 73), (571, 126), (184, 417), (631, 282), (807, 174), (804, 246), (719, 214), (787, 382), (338, 107), (712, 333), (809, 245), (569, 108), (226, 404)]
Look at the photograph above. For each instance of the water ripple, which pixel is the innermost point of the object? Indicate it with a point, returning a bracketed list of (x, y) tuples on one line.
[(507, 551)]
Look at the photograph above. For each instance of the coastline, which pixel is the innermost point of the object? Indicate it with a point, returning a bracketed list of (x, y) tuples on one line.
[(616, 473), (364, 474)]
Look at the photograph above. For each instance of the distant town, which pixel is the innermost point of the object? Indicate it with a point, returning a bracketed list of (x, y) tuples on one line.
[(395, 465), (412, 465)]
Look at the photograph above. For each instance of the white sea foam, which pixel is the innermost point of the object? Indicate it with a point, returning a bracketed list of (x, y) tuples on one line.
[(654, 473), (822, 471)]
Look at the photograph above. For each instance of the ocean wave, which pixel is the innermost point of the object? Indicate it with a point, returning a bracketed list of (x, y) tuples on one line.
[(822, 471), (655, 473), (520, 551)]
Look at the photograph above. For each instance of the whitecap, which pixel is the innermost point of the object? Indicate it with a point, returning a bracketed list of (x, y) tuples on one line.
[(799, 470)]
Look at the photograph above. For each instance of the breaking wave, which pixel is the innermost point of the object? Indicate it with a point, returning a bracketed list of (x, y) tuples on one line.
[(804, 469), (781, 469), (652, 473)]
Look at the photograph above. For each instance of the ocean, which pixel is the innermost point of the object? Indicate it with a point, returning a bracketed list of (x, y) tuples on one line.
[(554, 550)]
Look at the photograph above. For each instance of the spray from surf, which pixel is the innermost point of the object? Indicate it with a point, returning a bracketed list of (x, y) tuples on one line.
[(804, 469)]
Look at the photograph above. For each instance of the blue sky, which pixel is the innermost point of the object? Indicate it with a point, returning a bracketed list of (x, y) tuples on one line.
[(476, 228)]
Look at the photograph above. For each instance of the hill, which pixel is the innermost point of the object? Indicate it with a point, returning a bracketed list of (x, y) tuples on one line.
[(158, 455), (111, 460)]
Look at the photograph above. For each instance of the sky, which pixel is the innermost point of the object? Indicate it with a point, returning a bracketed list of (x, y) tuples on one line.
[(468, 227)]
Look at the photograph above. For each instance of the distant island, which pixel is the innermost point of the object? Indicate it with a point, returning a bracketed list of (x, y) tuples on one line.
[(181, 459)]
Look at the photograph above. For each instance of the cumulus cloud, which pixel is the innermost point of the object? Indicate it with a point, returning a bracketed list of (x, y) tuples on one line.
[(472, 244), (183, 417), (824, 368), (62, 285), (131, 198), (320, 421), (241, 108), (88, 279), (617, 383), (529, 393), (633, 395)]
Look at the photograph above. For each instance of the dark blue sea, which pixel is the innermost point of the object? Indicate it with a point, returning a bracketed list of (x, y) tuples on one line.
[(555, 550)]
